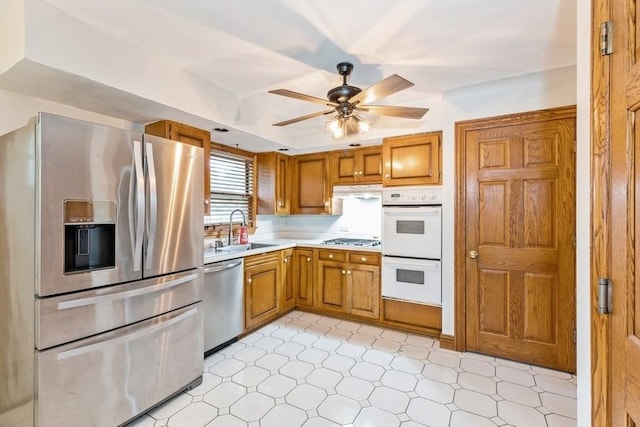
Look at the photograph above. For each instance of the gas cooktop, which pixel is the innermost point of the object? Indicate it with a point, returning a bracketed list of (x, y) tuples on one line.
[(342, 241)]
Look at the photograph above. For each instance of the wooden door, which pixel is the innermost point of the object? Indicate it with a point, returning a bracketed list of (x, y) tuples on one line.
[(520, 241), (364, 290), (303, 273), (287, 294), (625, 198), (261, 290)]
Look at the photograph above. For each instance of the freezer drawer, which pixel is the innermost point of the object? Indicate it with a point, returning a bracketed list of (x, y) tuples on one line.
[(66, 318), (106, 380)]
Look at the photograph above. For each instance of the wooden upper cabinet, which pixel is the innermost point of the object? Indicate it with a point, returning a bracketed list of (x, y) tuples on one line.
[(361, 166), (188, 135), (274, 184), (311, 184), (412, 159)]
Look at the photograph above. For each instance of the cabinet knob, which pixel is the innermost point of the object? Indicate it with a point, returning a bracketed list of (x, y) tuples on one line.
[(326, 204), (279, 204), (249, 280), (331, 256), (344, 272), (285, 260), (363, 259), (387, 175), (308, 259), (348, 271), (206, 202)]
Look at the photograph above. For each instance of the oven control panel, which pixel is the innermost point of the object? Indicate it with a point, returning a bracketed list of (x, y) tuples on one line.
[(412, 196)]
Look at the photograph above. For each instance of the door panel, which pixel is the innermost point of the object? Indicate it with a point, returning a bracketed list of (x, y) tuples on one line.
[(520, 218), (625, 216), (83, 161), (174, 206)]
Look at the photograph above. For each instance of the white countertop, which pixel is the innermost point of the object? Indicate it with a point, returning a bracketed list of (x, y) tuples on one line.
[(210, 255)]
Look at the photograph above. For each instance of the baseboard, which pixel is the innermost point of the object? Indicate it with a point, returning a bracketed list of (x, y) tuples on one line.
[(447, 342)]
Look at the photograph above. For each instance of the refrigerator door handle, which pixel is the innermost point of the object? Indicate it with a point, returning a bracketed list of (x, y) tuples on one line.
[(139, 225), (80, 302), (153, 204), (126, 336)]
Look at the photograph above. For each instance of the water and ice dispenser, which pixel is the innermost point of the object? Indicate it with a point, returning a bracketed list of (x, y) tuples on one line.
[(89, 235)]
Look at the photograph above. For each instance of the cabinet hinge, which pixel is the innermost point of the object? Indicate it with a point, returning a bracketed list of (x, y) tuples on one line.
[(605, 296), (606, 38)]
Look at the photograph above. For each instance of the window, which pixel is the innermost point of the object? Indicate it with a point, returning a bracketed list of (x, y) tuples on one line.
[(232, 187)]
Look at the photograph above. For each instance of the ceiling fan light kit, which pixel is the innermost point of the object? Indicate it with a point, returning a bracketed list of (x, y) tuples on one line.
[(346, 100)]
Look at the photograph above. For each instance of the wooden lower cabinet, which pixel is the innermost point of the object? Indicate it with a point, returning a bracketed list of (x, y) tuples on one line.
[(349, 282), (287, 280), (303, 277), (262, 283)]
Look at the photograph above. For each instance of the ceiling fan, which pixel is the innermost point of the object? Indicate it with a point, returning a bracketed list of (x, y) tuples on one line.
[(346, 101)]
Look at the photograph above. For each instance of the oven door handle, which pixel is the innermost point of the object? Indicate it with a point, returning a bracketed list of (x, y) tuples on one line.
[(412, 263), (412, 211)]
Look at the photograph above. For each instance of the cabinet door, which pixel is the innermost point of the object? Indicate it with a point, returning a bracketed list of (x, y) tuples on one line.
[(287, 294), (261, 286), (370, 171), (188, 135), (303, 273), (364, 290), (363, 165), (312, 186), (412, 159), (332, 286), (273, 183), (345, 170)]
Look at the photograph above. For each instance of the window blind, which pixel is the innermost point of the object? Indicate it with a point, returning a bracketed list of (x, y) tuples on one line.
[(232, 187)]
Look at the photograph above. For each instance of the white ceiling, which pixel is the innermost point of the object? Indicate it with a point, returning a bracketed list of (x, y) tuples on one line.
[(242, 49)]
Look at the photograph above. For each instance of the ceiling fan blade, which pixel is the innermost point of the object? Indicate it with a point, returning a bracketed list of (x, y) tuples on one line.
[(392, 84), (303, 97), (301, 118), (390, 110)]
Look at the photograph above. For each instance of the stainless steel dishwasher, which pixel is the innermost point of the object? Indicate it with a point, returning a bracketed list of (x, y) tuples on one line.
[(223, 301)]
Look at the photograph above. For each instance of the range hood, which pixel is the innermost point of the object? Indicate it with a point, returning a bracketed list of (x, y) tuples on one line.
[(363, 191)]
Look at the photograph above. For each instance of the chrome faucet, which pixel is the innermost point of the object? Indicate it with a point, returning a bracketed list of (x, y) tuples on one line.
[(244, 222)]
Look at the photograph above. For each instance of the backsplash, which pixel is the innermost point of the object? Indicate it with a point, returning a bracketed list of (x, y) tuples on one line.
[(361, 218)]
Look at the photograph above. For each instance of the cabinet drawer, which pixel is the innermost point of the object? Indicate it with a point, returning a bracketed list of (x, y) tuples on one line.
[(364, 258), (325, 255)]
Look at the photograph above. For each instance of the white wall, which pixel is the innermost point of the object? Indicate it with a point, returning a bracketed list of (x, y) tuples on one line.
[(12, 33), (583, 208), (361, 219), (16, 110)]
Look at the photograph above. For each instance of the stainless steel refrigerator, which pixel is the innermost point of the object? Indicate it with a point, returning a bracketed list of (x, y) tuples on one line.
[(100, 273)]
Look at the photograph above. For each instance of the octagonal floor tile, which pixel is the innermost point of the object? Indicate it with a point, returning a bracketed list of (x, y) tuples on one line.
[(250, 376), (399, 380), (518, 394), (476, 403), (306, 396), (520, 415), (339, 409), (324, 378), (338, 363), (225, 394), (252, 406), (296, 369), (428, 413), (375, 417), (277, 386), (227, 421), (355, 388), (467, 419), (284, 416), (367, 371), (435, 390), (391, 400)]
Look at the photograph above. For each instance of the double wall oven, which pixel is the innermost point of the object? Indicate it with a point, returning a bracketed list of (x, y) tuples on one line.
[(412, 244)]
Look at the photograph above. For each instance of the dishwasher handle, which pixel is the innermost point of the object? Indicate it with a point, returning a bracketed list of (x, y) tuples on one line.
[(225, 266)]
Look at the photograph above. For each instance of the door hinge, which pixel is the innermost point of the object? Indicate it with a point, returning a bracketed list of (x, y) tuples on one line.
[(606, 38), (605, 296)]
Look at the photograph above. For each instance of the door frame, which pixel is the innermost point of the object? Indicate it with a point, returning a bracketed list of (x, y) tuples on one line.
[(600, 204), (461, 129)]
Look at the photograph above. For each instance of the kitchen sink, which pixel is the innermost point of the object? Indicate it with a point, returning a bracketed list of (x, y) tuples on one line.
[(242, 248)]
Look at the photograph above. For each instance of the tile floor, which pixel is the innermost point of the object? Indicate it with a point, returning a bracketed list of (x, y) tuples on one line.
[(315, 371)]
